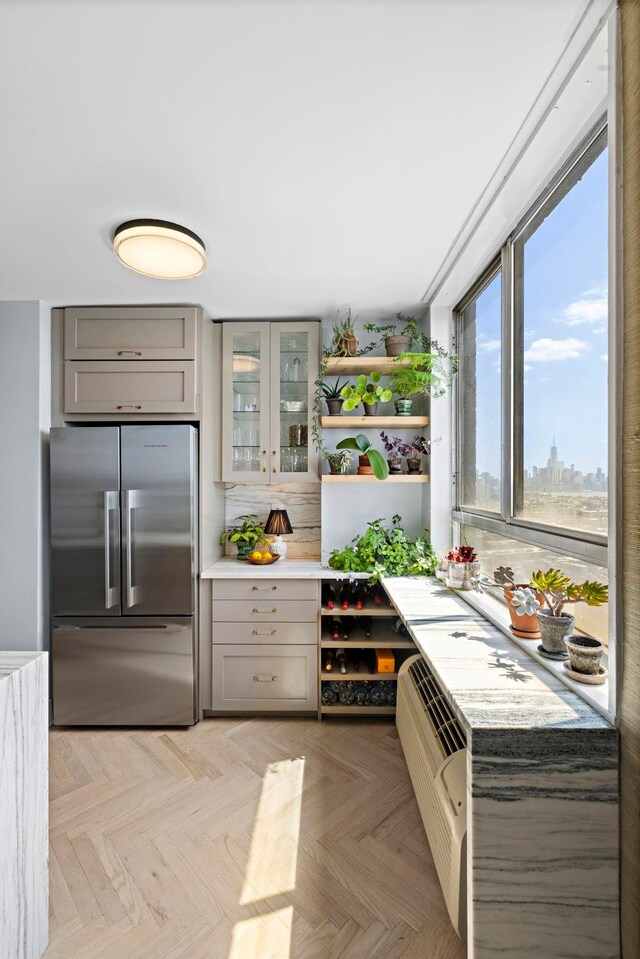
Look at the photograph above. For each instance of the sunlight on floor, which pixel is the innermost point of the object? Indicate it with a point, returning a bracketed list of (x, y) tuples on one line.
[(274, 844), (263, 937)]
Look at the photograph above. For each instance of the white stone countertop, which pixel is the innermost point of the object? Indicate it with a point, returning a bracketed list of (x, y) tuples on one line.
[(9, 662), (231, 568), (491, 682)]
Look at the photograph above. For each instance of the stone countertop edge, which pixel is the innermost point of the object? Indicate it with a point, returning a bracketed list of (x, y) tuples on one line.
[(11, 661), (231, 568), (491, 683)]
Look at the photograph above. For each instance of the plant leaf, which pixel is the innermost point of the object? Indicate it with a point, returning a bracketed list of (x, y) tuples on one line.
[(378, 464)]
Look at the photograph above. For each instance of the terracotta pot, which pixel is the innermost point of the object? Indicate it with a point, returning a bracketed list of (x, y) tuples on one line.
[(334, 406), (526, 627), (395, 345), (364, 466), (348, 346)]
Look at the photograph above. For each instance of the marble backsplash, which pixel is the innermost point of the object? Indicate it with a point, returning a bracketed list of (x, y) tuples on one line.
[(301, 501)]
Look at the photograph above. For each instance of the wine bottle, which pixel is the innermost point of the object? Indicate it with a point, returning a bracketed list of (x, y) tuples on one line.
[(377, 694), (360, 596), (375, 595), (400, 628), (347, 693), (329, 597), (335, 628), (362, 694), (328, 661), (390, 692), (342, 662), (366, 625), (329, 695), (347, 596), (345, 626)]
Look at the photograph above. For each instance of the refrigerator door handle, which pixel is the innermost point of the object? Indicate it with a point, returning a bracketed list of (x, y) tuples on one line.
[(131, 591), (110, 504)]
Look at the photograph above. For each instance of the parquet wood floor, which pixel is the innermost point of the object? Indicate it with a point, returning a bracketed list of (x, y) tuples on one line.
[(241, 839)]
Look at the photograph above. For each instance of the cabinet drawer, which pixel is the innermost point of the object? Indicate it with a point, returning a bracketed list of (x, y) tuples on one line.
[(302, 634), (129, 387), (130, 333), (265, 611), (264, 677), (251, 589)]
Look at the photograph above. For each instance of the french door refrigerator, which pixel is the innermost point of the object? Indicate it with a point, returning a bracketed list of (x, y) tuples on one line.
[(123, 549)]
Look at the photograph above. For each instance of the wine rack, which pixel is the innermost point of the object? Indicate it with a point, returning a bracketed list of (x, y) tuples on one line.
[(360, 670)]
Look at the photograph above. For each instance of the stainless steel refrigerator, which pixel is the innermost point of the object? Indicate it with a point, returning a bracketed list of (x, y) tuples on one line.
[(123, 554)]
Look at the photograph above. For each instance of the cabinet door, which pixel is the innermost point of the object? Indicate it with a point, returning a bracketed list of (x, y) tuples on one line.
[(294, 368), (130, 333), (245, 402), (129, 387)]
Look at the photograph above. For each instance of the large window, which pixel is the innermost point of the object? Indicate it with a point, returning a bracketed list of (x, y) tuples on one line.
[(532, 392)]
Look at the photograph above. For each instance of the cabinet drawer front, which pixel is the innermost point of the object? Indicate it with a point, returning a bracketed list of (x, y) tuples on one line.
[(130, 333), (301, 634), (264, 677), (265, 611), (261, 588), (129, 387)]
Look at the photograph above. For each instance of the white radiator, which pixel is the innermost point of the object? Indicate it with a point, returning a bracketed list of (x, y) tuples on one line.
[(434, 746)]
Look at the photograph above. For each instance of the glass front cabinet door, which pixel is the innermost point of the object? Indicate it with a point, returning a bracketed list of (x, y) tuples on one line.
[(269, 370)]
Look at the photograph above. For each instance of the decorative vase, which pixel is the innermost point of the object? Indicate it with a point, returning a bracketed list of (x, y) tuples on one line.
[(461, 575), (347, 346), (364, 466), (553, 631), (585, 654), (244, 549), (370, 409), (395, 465), (526, 626), (395, 345), (403, 407), (334, 406), (414, 465)]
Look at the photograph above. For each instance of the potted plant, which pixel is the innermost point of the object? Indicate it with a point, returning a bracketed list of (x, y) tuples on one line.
[(395, 342), (417, 448), (463, 567), (332, 397), (557, 591), (426, 374), (443, 567), (246, 537), (370, 460), (339, 462), (385, 550), (344, 341), (523, 622), (585, 655), (366, 391), (396, 448)]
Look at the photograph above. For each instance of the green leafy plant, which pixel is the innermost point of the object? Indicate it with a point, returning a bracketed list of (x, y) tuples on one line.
[(341, 461), (428, 373), (360, 444), (558, 590), (386, 550), (365, 391), (331, 391), (407, 326), (384, 330), (249, 533)]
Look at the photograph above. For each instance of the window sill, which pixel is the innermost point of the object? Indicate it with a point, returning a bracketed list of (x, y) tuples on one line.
[(597, 696)]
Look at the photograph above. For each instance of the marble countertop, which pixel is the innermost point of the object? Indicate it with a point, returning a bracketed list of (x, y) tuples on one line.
[(231, 568), (491, 682), (10, 662)]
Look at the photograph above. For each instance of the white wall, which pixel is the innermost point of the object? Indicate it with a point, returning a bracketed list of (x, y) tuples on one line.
[(25, 417)]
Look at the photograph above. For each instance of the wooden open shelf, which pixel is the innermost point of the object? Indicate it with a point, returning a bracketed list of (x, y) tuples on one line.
[(338, 677), (385, 642), (344, 422), (354, 478), (367, 611), (359, 710), (354, 365)]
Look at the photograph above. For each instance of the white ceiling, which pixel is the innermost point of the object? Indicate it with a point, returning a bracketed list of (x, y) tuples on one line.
[(327, 152)]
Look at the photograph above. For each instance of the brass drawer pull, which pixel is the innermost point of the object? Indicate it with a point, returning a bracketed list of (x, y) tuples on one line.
[(263, 589), (273, 610), (135, 352), (254, 632), (129, 406), (265, 678)]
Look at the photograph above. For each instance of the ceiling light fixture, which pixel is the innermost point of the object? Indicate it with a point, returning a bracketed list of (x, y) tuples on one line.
[(160, 249)]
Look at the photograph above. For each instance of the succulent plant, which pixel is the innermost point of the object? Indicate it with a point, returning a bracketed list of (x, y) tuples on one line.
[(525, 601)]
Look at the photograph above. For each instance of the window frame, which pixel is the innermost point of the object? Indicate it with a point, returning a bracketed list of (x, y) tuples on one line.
[(590, 547)]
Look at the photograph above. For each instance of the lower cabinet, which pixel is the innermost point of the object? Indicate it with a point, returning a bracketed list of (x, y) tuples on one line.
[(265, 677)]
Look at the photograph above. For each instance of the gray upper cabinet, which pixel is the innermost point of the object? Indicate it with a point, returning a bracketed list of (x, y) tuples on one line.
[(130, 333), (125, 387)]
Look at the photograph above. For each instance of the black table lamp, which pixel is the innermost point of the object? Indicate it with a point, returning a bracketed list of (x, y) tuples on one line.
[(279, 525)]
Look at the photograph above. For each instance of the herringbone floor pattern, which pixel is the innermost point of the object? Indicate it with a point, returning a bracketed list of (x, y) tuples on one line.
[(241, 839)]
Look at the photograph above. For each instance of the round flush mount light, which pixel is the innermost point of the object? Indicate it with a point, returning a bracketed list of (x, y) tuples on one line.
[(160, 249)]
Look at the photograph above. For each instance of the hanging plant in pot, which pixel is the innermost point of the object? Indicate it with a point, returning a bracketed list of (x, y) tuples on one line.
[(370, 461), (557, 591), (396, 448), (332, 396), (366, 391)]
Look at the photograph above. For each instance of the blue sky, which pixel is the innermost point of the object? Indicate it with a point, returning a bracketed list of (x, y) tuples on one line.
[(565, 363)]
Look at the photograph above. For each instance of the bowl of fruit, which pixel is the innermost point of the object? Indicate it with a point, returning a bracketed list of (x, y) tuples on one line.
[(262, 557)]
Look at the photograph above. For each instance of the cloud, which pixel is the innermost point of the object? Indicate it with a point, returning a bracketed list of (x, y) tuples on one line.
[(605, 357), (547, 349), (527, 368), (491, 346), (593, 307)]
